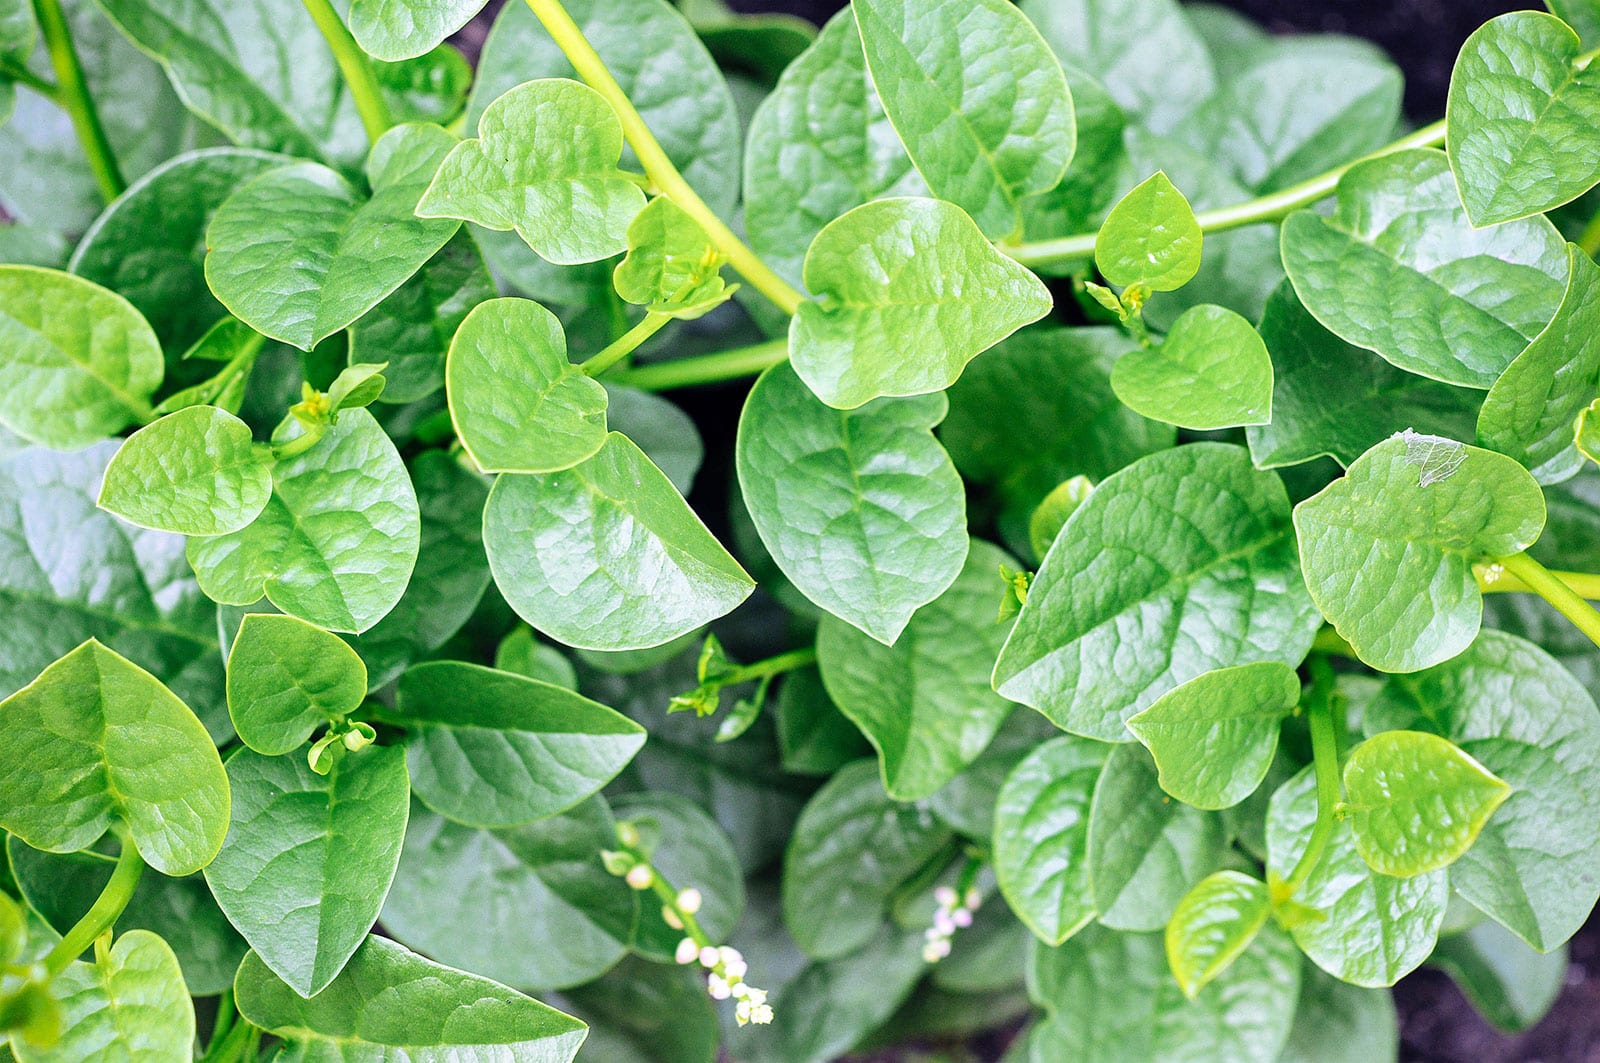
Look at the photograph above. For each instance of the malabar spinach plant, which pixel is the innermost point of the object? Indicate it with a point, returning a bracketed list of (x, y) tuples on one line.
[(1145, 598)]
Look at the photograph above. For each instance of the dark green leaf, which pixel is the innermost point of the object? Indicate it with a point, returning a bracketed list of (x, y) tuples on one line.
[(1335, 1022), (1509, 983)]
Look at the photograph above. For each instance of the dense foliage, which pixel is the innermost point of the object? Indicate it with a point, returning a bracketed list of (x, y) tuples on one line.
[(1124, 611)]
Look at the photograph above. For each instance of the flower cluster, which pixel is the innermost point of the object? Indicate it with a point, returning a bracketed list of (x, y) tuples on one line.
[(725, 979), (953, 912)]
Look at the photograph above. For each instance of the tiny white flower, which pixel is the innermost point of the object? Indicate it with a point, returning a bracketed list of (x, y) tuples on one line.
[(718, 988), (753, 995), (670, 917), (932, 933), (687, 951), (708, 957), (933, 951), (761, 1014), (690, 900), (741, 990), (735, 969), (728, 954), (945, 897), (640, 876), (961, 918), (943, 923)]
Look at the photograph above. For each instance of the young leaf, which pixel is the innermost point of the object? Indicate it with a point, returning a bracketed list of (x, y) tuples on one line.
[(1388, 549), (388, 997), (692, 851), (1399, 269), (1196, 524), (862, 509), (1052, 513), (545, 165), (904, 274), (672, 266), (1150, 238), (1041, 836), (1212, 371), (978, 100), (1213, 924), (1416, 801), (1214, 737), (96, 739), (1508, 983), (492, 749), (81, 362), (285, 678), (392, 30), (1518, 102), (133, 1005), (309, 857), (195, 472), (298, 253), (654, 574), (517, 403)]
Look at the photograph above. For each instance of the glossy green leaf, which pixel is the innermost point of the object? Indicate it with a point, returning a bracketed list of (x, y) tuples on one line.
[(1211, 371), (899, 274), (96, 739), (976, 97), (285, 678), (81, 362), (1509, 983), (1150, 238), (625, 564), (390, 1002), (1041, 837), (814, 736), (195, 472), (672, 266), (392, 30), (691, 851), (1581, 15), (517, 403), (1052, 513), (1187, 554), (492, 749), (131, 1006), (1213, 924), (1399, 269), (1519, 100), (1388, 549), (298, 253), (861, 509), (1335, 1022)]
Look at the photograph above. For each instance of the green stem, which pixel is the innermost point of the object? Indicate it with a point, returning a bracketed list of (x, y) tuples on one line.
[(705, 368), (103, 913), (668, 896), (299, 444), (1589, 240), (783, 662), (626, 344), (1271, 207), (657, 166), (14, 71), (73, 94), (1584, 584), (1325, 755), (1546, 585), (232, 1046), (356, 67)]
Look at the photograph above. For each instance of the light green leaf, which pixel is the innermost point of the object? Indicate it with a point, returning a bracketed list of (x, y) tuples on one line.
[(545, 165), (389, 998), (309, 857), (195, 472), (356, 387), (96, 739), (690, 851), (1388, 549), (1508, 983), (1187, 554), (336, 543), (861, 509), (904, 274), (81, 362), (493, 749), (285, 677), (1336, 1022), (1150, 238), (1453, 302), (1213, 924), (517, 403), (1041, 836), (1586, 432), (13, 929), (1214, 737), (624, 562), (672, 266), (298, 253), (1212, 371), (977, 99), (1052, 513), (392, 30), (1518, 100)]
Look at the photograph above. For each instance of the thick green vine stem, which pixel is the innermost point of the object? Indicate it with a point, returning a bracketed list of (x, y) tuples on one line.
[(1494, 577), (1325, 756), (103, 914), (1547, 585), (357, 69), (705, 368), (626, 344), (73, 94)]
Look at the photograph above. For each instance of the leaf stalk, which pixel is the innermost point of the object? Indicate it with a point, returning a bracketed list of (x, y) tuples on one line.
[(1325, 756), (626, 344), (1553, 589), (705, 368), (103, 914), (72, 93), (359, 74)]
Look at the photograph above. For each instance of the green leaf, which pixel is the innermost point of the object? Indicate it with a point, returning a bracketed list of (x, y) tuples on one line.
[(492, 749), (1150, 238), (195, 472), (924, 702), (1581, 15), (81, 362), (1145, 850), (1329, 398), (298, 253), (337, 541), (692, 852), (1519, 100), (286, 677), (626, 564), (1212, 371), (1388, 549), (1188, 554), (545, 165), (431, 87), (1335, 1022), (1586, 432), (976, 97), (1052, 513), (1214, 737), (861, 509), (17, 31), (1529, 412), (814, 736), (672, 266), (1041, 836), (388, 997), (13, 929), (1417, 801), (96, 739), (392, 30), (1375, 929), (1399, 269), (899, 274), (517, 403), (309, 857), (1213, 924), (851, 850), (1508, 983), (643, 1012), (664, 432), (133, 1005), (356, 387)]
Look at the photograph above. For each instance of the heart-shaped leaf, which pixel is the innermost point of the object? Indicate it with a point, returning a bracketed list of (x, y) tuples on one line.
[(285, 677), (1212, 371), (195, 472), (672, 266), (131, 1005), (1213, 924), (392, 30), (1150, 238)]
